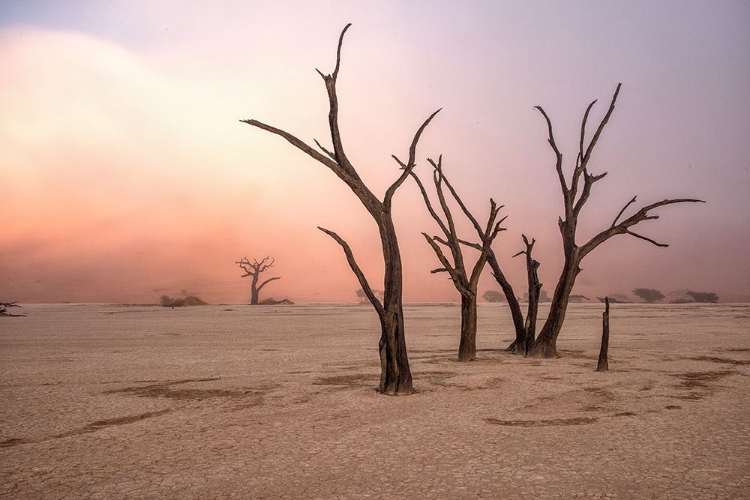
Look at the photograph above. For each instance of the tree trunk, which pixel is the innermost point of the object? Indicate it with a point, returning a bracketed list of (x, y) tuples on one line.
[(395, 375), (510, 295), (603, 365), (546, 343), (530, 326), (467, 348), (254, 291)]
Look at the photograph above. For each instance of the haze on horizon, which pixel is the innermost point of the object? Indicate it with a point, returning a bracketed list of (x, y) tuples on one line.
[(127, 175)]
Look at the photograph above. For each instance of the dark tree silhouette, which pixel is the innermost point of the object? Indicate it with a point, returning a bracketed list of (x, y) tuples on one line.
[(650, 295), (494, 296), (4, 306), (395, 374), (362, 296), (575, 195), (466, 283), (254, 269), (704, 297)]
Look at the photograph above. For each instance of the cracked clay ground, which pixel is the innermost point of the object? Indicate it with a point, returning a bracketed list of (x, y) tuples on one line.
[(114, 402)]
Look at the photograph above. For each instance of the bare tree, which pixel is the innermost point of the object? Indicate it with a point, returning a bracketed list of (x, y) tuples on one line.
[(465, 283), (525, 327), (395, 375), (254, 269), (575, 195)]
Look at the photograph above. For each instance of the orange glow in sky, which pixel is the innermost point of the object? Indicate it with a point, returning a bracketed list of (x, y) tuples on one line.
[(126, 174)]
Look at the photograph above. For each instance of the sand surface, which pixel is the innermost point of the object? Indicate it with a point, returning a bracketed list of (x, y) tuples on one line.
[(110, 402)]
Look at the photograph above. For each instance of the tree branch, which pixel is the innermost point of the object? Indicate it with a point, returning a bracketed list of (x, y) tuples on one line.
[(450, 269), (267, 281), (357, 272), (631, 233), (600, 128), (427, 202), (588, 181), (331, 155), (438, 179), (305, 148), (558, 155), (407, 168), (472, 219), (262, 265), (333, 113), (624, 226), (614, 222), (583, 129)]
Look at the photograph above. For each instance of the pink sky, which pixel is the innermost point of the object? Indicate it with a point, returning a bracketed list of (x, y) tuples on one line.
[(127, 175)]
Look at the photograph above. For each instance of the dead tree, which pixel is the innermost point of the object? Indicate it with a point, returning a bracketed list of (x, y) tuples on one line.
[(575, 195), (254, 270), (525, 327), (465, 283), (524, 343), (395, 375)]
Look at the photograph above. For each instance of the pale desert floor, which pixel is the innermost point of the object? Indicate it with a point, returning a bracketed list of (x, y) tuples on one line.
[(110, 402)]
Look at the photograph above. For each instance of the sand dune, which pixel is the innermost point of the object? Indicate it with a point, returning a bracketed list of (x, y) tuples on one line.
[(106, 401)]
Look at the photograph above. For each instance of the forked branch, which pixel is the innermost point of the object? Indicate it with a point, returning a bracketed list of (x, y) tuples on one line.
[(623, 227), (254, 268), (408, 167)]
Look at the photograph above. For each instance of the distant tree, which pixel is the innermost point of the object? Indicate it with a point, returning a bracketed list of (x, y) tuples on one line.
[(615, 298), (362, 295), (167, 301), (254, 269), (543, 296), (704, 297), (4, 306), (190, 300), (494, 296), (578, 298), (649, 294)]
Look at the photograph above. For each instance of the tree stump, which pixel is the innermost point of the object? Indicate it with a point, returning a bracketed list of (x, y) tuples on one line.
[(603, 365)]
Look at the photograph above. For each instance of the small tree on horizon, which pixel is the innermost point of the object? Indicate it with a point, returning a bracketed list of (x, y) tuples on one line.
[(362, 295), (704, 297), (4, 306), (254, 269), (494, 296), (650, 295)]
